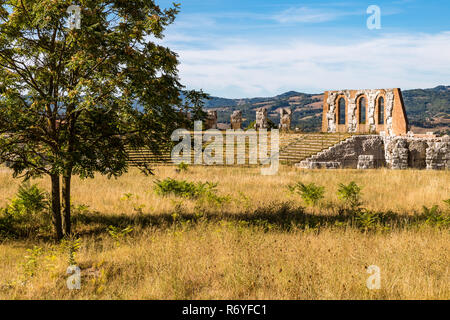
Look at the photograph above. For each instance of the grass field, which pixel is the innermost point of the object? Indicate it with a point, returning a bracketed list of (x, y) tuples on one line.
[(258, 241)]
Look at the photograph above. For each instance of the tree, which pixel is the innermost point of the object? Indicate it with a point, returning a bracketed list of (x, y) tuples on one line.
[(74, 100)]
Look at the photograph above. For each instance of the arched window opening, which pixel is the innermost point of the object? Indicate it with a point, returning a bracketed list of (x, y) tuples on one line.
[(362, 110), (381, 110), (341, 111)]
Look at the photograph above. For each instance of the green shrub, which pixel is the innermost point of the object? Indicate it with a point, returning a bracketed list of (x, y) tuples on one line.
[(310, 193), (182, 167), (119, 234), (435, 217), (31, 263), (29, 200), (71, 246), (367, 220), (26, 214), (447, 202), (184, 189), (350, 194)]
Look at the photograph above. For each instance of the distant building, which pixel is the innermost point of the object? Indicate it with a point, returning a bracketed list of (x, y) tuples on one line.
[(365, 111)]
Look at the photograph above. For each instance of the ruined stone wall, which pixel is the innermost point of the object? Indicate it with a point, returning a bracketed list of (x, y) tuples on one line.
[(395, 121), (373, 151), (418, 153), (348, 152)]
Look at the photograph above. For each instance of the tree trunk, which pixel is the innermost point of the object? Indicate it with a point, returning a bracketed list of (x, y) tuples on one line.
[(67, 225), (56, 206)]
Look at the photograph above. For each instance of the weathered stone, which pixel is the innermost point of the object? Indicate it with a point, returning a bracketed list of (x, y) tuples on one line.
[(366, 162), (285, 119), (438, 155), (417, 154), (395, 121), (211, 120), (261, 119), (398, 153), (236, 120), (319, 165)]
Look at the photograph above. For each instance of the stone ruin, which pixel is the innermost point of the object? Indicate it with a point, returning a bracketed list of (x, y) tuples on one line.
[(285, 119), (236, 120), (420, 153), (366, 162), (211, 120), (365, 111), (374, 151), (261, 119)]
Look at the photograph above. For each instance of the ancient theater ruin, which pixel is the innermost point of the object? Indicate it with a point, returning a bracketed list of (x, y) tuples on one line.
[(365, 111), (378, 134)]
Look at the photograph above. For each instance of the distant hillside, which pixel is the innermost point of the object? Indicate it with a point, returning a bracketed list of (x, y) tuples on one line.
[(427, 109)]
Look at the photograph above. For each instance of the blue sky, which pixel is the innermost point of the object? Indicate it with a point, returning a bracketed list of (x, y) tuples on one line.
[(251, 48)]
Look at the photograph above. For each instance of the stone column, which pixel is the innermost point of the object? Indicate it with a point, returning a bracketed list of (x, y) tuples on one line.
[(211, 120), (236, 120), (285, 119), (261, 119)]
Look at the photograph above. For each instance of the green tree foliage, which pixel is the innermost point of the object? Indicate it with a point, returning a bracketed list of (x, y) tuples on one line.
[(73, 101)]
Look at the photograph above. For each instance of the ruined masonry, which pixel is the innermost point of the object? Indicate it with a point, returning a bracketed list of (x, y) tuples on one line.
[(285, 119), (378, 118), (375, 151), (261, 119), (236, 120), (365, 111), (211, 120)]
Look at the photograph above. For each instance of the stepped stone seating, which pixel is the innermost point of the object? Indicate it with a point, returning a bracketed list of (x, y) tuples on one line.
[(307, 145)]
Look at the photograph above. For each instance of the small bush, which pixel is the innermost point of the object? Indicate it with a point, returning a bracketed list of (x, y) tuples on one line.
[(29, 200), (184, 189), (310, 193), (182, 167), (447, 202), (119, 234), (350, 194), (435, 217), (26, 214), (367, 220), (71, 246)]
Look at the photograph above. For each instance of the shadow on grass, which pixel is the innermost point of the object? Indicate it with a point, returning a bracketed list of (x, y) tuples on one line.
[(283, 217), (278, 217)]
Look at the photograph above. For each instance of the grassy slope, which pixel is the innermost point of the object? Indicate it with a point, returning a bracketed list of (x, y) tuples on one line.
[(259, 246)]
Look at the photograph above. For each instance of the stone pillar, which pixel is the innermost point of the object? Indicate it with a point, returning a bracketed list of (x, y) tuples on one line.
[(285, 119), (261, 119), (211, 120), (236, 120), (438, 155), (397, 154)]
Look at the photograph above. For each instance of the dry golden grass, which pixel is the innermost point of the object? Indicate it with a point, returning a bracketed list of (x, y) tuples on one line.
[(218, 257)]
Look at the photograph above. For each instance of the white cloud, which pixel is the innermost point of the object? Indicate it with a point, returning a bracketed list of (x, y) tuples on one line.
[(257, 68), (308, 15)]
